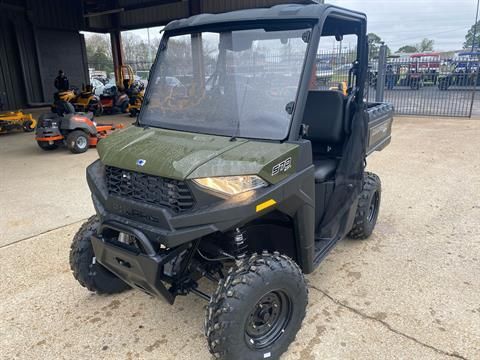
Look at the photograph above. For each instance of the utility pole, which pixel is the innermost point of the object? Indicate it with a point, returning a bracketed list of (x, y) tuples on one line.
[(475, 27)]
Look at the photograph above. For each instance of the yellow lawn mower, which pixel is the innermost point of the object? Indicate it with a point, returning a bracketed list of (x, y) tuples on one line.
[(16, 120)]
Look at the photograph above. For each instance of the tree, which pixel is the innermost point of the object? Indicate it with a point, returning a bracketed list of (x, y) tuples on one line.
[(469, 37), (99, 52), (425, 45), (374, 43), (407, 49)]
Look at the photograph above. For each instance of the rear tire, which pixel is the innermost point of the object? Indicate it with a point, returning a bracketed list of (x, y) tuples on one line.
[(133, 112), (95, 107), (124, 107), (257, 309), (368, 207), (77, 141), (86, 270), (44, 145)]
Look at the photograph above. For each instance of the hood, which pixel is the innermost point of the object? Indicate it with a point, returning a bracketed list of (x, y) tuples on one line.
[(166, 153), (181, 155)]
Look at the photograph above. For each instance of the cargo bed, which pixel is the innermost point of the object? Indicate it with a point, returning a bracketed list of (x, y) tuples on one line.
[(380, 119)]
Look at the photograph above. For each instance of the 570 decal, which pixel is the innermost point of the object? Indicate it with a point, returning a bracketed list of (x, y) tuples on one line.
[(282, 166)]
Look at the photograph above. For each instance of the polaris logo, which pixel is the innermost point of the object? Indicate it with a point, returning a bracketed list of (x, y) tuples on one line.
[(141, 162), (282, 167)]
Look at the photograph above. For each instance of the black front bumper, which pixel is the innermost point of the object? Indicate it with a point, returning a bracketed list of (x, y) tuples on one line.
[(140, 270), (211, 214)]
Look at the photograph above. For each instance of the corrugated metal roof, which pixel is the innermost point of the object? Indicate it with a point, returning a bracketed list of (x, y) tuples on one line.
[(56, 14), (161, 12)]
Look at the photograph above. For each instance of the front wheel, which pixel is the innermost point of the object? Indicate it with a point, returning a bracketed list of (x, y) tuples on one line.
[(368, 207), (28, 126), (77, 142), (258, 309), (44, 145), (86, 270)]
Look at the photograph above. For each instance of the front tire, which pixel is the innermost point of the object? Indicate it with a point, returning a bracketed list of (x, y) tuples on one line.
[(368, 207), (27, 126), (44, 145), (77, 142), (258, 309), (86, 270)]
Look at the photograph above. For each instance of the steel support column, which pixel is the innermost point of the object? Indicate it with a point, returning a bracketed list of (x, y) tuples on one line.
[(117, 54)]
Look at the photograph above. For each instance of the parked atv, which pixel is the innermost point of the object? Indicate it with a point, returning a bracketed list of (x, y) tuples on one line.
[(234, 181), (464, 73), (78, 131)]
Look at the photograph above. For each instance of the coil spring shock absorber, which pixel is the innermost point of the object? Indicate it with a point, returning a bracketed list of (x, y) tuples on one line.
[(239, 245)]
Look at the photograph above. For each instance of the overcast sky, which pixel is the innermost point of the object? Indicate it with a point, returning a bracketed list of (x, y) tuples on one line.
[(407, 22), (404, 22)]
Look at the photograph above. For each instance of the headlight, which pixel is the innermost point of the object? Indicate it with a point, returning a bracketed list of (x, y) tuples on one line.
[(232, 185)]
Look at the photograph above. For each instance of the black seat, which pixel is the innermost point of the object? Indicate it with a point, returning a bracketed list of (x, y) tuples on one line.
[(324, 116)]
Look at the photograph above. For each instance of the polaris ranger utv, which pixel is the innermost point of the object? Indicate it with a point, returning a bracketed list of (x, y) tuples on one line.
[(245, 175)]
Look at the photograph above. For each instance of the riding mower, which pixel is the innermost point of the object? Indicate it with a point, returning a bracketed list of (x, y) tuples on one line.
[(114, 98), (136, 93), (17, 120), (77, 131), (64, 96), (87, 101), (233, 181)]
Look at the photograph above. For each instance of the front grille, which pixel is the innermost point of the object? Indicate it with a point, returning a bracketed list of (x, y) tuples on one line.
[(149, 189)]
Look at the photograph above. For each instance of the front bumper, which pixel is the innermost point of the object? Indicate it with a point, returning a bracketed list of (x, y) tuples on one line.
[(211, 214)]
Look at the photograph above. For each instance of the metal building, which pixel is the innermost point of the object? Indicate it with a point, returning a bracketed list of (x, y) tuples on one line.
[(37, 38)]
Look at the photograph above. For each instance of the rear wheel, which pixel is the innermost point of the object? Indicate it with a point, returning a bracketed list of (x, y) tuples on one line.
[(133, 112), (258, 309), (95, 107), (86, 270), (44, 145), (124, 107), (77, 141), (368, 207)]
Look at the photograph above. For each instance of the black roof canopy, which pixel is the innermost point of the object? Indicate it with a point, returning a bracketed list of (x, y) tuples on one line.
[(287, 12)]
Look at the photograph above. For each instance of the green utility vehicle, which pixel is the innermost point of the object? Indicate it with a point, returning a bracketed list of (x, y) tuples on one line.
[(237, 172)]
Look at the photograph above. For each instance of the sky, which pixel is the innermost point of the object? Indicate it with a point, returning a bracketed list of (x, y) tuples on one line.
[(407, 22)]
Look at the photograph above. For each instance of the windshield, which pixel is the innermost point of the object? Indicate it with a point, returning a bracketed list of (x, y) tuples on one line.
[(238, 83)]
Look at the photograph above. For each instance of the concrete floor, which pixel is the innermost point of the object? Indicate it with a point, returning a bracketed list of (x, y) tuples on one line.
[(411, 291)]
